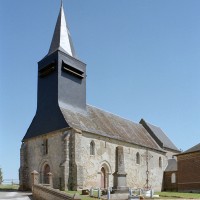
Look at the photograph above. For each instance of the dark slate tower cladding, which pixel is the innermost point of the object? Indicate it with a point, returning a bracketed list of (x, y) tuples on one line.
[(61, 82)]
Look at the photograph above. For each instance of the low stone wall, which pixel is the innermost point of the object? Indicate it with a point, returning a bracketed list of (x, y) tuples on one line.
[(41, 192)]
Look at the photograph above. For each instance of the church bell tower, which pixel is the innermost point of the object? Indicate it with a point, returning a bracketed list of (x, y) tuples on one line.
[(61, 82)]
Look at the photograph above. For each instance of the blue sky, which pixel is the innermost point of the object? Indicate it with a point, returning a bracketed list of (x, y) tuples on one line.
[(142, 56)]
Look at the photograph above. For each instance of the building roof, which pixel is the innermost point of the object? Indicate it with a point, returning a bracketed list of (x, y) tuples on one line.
[(159, 136), (172, 165), (191, 150), (61, 38), (103, 123)]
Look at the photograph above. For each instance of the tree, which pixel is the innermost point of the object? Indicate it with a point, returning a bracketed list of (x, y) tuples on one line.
[(1, 176)]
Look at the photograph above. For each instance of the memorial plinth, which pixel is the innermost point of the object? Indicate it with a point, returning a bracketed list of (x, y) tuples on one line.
[(120, 185)]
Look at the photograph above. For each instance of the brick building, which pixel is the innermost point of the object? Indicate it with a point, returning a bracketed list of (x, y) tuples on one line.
[(170, 176), (189, 170)]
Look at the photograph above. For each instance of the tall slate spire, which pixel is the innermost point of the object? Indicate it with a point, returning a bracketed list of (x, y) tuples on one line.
[(61, 38)]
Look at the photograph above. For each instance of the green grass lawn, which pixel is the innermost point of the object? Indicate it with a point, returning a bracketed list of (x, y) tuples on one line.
[(174, 195), (9, 187)]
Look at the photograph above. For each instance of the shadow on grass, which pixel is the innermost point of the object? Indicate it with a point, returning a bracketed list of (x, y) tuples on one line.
[(8, 190)]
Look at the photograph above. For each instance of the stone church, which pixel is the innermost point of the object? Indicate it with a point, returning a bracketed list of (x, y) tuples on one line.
[(81, 145)]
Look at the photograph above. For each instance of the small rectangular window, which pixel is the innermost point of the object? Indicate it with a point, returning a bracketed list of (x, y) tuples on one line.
[(92, 148), (74, 71), (173, 178), (46, 150), (46, 70), (45, 146)]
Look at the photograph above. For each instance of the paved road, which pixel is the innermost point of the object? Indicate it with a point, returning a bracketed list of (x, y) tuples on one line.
[(15, 196)]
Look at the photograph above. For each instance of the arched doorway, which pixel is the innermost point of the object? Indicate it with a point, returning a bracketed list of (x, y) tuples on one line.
[(103, 177), (46, 170), (104, 174)]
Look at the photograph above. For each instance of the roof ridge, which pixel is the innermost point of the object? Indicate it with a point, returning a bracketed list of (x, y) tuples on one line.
[(152, 124), (159, 128), (161, 136)]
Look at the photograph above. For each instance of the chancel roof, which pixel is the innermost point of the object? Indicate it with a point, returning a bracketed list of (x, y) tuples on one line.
[(159, 136), (103, 123)]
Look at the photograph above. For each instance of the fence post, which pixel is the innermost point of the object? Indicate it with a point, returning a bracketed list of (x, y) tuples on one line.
[(151, 193), (50, 179), (35, 178), (108, 195), (91, 192), (130, 191), (99, 193)]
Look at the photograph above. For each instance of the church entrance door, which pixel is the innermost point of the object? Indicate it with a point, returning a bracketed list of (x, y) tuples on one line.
[(45, 174), (103, 177)]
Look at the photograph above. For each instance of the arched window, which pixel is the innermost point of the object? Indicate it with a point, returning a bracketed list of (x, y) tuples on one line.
[(160, 162), (173, 178), (137, 158), (46, 170), (92, 148)]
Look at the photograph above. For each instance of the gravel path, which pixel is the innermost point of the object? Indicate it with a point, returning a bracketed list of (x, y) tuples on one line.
[(15, 195)]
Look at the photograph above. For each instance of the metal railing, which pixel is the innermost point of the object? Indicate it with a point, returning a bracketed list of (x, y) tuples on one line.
[(10, 182)]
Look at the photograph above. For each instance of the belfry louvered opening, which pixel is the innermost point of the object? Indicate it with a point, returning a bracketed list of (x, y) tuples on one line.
[(46, 70), (74, 71)]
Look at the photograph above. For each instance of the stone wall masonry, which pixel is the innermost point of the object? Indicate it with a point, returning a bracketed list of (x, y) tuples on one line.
[(74, 167), (65, 164), (36, 159), (23, 171), (105, 156), (78, 159), (41, 192), (170, 154), (72, 179)]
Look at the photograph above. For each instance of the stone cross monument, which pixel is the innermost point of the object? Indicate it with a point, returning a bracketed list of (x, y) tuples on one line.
[(120, 174)]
